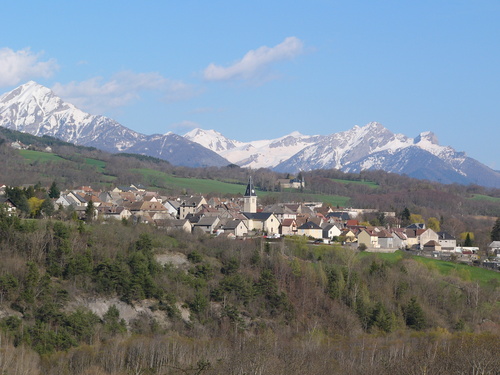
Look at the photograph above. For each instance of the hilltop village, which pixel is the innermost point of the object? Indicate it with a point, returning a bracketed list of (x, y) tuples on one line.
[(244, 217)]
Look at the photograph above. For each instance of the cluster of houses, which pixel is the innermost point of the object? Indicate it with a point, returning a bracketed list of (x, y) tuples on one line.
[(244, 217), (18, 145)]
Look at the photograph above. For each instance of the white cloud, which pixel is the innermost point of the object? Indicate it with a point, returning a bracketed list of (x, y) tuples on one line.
[(185, 125), (97, 95), (22, 65), (255, 61)]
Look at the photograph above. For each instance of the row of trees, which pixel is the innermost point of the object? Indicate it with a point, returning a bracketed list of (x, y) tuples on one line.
[(272, 353)]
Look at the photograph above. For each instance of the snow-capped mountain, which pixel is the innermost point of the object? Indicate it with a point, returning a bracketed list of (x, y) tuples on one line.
[(368, 147), (212, 140), (373, 147), (255, 154), (35, 109)]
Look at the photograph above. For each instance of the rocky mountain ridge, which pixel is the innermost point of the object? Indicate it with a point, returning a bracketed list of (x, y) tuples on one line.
[(35, 109), (369, 147)]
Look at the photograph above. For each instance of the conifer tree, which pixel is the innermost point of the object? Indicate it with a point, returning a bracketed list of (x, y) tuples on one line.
[(414, 315), (405, 217), (54, 191), (89, 211), (468, 241), (495, 232)]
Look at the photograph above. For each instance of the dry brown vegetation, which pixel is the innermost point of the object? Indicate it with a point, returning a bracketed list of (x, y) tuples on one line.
[(255, 307)]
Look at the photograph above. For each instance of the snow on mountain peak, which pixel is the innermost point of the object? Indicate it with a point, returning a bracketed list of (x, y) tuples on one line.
[(198, 132), (211, 139), (295, 134), (35, 109), (427, 136), (373, 125), (25, 92)]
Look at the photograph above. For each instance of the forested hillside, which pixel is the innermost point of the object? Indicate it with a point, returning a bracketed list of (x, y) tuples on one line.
[(94, 298)]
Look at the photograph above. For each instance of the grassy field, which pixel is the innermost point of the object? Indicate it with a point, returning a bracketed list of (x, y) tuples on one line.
[(389, 257), (99, 164), (465, 272), (32, 156), (471, 273), (39, 156), (370, 184), (480, 197), (195, 185)]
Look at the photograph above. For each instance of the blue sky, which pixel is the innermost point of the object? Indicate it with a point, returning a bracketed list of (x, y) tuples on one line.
[(262, 69)]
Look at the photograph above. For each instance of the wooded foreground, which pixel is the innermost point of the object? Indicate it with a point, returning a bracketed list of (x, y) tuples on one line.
[(230, 307)]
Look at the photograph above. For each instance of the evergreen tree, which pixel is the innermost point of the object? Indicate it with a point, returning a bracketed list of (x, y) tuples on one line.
[(18, 197), (54, 191), (47, 208), (405, 217), (495, 232), (89, 211), (414, 315), (29, 192), (381, 318), (468, 241), (112, 323), (144, 243)]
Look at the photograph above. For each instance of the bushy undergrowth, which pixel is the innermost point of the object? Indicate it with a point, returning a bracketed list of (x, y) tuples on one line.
[(286, 298)]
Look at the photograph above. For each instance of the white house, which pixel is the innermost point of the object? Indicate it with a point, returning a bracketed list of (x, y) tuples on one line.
[(330, 231), (262, 221), (494, 248), (237, 227), (447, 241), (310, 229)]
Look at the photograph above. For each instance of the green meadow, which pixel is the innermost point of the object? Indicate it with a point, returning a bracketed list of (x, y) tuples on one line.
[(195, 185), (39, 156), (370, 184), (464, 271), (99, 164), (32, 156), (480, 197)]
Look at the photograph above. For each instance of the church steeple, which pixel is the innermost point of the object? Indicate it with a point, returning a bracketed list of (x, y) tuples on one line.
[(250, 198), (250, 191)]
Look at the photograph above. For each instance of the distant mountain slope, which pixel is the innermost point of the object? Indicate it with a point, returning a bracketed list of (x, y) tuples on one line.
[(374, 147), (212, 140), (35, 109), (254, 154), (370, 147)]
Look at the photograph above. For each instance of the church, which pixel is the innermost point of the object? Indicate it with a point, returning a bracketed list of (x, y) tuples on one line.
[(265, 222)]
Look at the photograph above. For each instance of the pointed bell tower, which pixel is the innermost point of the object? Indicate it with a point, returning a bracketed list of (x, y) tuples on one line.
[(250, 198)]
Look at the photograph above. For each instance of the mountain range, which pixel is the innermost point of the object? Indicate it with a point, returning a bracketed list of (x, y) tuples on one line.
[(35, 109)]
